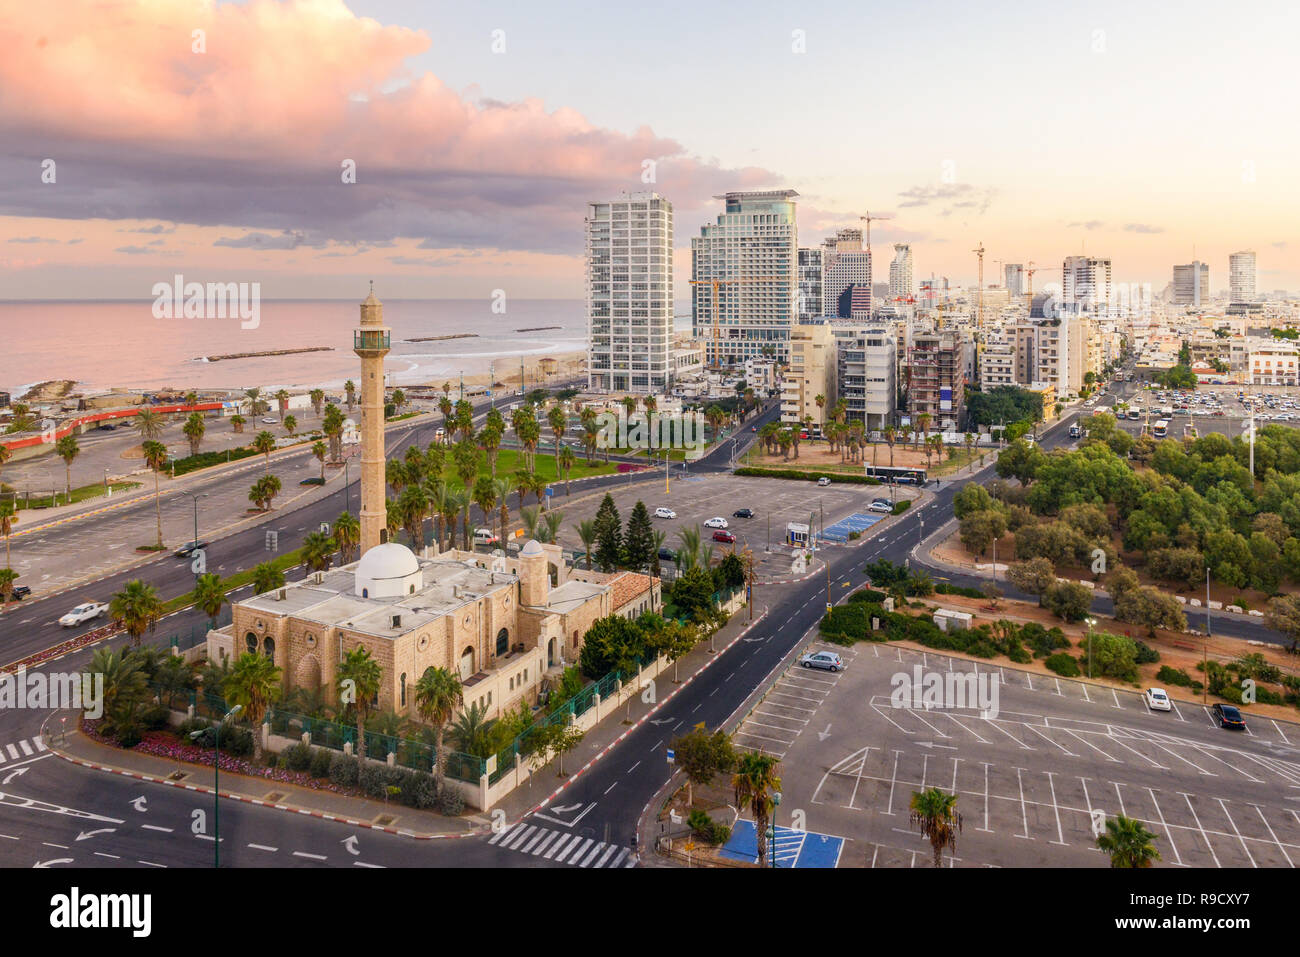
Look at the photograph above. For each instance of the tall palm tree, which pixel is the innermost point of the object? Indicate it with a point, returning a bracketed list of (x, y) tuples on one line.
[(890, 435), (457, 498), (437, 697), (5, 456), (194, 429), (566, 461), (754, 781), (155, 456), (282, 399), (553, 521), (254, 685), (138, 607), (559, 421), (67, 449), (472, 731), (465, 460), (358, 681), (266, 577), (332, 428), (317, 400), (264, 442), (347, 533), (7, 579), (531, 518), (320, 450), (587, 534), (1128, 843), (350, 393), (934, 812), (209, 596), (435, 493), (414, 505), (149, 424), (255, 401), (395, 475), (923, 427), (485, 497), (318, 550), (503, 489), (290, 425)]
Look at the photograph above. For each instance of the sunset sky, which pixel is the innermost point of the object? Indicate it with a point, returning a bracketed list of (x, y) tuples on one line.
[(1148, 133)]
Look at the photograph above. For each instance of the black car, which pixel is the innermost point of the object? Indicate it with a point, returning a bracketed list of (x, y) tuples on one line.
[(743, 513), (21, 591), (107, 427), (667, 555), (1228, 717), (189, 548)]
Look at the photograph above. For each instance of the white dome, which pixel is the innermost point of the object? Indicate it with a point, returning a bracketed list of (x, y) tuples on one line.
[(388, 571), (532, 548)]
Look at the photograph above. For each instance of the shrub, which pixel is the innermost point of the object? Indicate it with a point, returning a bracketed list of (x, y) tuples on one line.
[(344, 770), (1063, 664), (321, 758), (1230, 692), (1043, 641), (901, 507), (129, 736), (450, 802), (189, 726), (706, 829), (1112, 656), (419, 790), (155, 717), (1174, 676), (1146, 655), (981, 649), (371, 779), (1019, 654), (298, 757), (868, 594), (236, 741), (943, 588), (1266, 696), (837, 478)]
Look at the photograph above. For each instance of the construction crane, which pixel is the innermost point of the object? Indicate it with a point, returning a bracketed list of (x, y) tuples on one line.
[(867, 219), (979, 314), (1029, 295), (715, 283)]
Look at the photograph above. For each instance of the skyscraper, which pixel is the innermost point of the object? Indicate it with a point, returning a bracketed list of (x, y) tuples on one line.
[(1015, 279), (371, 342), (1192, 284), (1241, 276), (900, 272), (810, 283), (1086, 286), (845, 263), (751, 252), (630, 293)]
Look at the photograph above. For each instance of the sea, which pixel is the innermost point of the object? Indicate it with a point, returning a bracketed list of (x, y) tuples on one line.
[(119, 344)]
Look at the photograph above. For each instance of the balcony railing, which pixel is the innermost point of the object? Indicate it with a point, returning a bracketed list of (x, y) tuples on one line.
[(370, 340)]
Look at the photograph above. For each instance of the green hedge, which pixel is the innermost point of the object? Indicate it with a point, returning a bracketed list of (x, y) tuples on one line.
[(902, 506), (835, 478), (1064, 665), (205, 460), (943, 588)]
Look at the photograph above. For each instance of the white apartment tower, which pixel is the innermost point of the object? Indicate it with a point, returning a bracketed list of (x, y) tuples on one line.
[(846, 276), (751, 253), (900, 272), (1192, 285), (1014, 274), (810, 283), (1241, 276), (1085, 284), (630, 293)]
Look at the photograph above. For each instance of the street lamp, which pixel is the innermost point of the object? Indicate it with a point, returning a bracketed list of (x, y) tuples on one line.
[(196, 496), (216, 786), (771, 847), (1090, 622)]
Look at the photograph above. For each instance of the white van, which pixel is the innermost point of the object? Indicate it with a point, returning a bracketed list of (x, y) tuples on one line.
[(485, 536)]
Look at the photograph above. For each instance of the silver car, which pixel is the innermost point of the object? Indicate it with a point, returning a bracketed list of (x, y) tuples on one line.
[(827, 660)]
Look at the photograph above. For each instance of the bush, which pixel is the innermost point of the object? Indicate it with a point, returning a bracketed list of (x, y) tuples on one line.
[(1230, 693), (297, 757), (1019, 654), (901, 507), (129, 736), (450, 802), (235, 741), (321, 758), (371, 779), (1174, 676), (344, 770), (189, 726), (1146, 655), (706, 829), (419, 790), (868, 594), (1063, 664), (836, 478), (1266, 696), (155, 717), (943, 588)]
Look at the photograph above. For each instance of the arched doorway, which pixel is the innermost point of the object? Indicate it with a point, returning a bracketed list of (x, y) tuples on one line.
[(466, 664), (503, 643), (268, 647), (550, 653), (250, 640)]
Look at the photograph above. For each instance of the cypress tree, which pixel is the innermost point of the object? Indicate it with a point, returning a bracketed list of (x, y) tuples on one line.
[(639, 543), (609, 535)]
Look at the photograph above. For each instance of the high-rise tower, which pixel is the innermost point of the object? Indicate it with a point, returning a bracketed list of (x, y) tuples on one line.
[(371, 342)]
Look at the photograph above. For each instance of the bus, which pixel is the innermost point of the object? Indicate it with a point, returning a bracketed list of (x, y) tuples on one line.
[(1162, 428)]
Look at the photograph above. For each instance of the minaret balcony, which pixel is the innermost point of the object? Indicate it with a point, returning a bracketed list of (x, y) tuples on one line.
[(367, 340)]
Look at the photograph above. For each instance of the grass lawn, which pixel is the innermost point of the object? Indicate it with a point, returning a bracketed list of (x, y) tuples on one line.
[(94, 490), (509, 461), (283, 562)]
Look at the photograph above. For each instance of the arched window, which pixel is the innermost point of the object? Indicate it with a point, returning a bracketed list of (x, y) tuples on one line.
[(503, 642), (554, 573), (268, 647), (403, 687), (466, 663), (251, 640)]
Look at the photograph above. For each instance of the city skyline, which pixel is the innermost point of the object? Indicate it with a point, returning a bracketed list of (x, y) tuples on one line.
[(474, 167)]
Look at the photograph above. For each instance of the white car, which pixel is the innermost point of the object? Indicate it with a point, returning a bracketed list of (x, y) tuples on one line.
[(485, 536), (83, 613), (716, 522), (880, 505), (827, 660), (269, 420), (665, 513), (823, 481), (1157, 700)]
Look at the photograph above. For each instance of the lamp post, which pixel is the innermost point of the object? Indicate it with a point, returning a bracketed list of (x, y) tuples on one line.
[(216, 785), (196, 496), (1090, 622), (1208, 633), (771, 845), (347, 489)]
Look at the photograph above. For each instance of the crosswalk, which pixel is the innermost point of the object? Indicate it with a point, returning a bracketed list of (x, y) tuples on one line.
[(26, 748), (562, 847)]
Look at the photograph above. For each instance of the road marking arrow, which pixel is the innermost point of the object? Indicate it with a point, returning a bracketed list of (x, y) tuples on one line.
[(823, 735), (139, 803), (351, 844), (662, 721), (57, 860), (566, 808), (15, 774), (930, 744), (88, 834)]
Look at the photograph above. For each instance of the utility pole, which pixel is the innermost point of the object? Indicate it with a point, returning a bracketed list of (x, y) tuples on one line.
[(1208, 633)]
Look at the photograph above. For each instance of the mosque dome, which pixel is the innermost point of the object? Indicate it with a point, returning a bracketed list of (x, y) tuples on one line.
[(388, 571)]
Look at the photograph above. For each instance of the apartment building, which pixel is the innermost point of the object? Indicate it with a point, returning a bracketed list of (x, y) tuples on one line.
[(1086, 285), (867, 373), (810, 283), (1241, 277), (1055, 352), (811, 373), (846, 276), (744, 270), (1014, 279), (997, 365), (1274, 363), (900, 272), (1192, 285), (935, 384), (630, 294)]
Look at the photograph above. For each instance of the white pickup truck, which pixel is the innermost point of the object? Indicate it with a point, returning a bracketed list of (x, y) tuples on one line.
[(83, 613)]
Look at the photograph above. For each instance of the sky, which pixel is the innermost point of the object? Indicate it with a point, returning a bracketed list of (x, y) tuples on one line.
[(478, 132)]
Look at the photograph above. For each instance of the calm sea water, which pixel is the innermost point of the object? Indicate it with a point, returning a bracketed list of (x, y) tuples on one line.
[(107, 344)]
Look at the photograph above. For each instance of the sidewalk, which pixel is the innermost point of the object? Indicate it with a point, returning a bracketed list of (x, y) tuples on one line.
[(266, 792)]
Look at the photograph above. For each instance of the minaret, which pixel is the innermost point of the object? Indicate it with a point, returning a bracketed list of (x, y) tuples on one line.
[(371, 343)]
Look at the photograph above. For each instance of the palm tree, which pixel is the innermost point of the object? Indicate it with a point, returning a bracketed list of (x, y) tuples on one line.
[(155, 456), (332, 428), (67, 449), (531, 518), (282, 399), (933, 811), (347, 533), (472, 732), (465, 460), (253, 684), (485, 497), (414, 504), (1128, 843), (358, 681), (138, 608), (237, 423), (923, 426), (291, 424), (437, 697), (5, 456), (149, 424), (350, 393), (754, 781), (566, 461), (267, 577), (320, 450), (8, 519), (457, 499), (264, 442), (553, 521), (317, 550), (255, 401), (7, 578), (317, 400), (125, 684), (489, 440), (502, 489), (194, 428), (209, 596), (659, 536), (395, 475), (559, 421), (393, 520), (587, 533), (890, 435)]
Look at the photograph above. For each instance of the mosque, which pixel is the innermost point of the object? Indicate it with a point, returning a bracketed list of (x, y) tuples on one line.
[(502, 623)]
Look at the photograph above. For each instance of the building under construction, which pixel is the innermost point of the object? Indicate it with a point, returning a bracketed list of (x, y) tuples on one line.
[(936, 379)]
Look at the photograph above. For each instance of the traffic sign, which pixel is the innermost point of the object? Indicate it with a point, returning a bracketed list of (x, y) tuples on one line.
[(672, 756)]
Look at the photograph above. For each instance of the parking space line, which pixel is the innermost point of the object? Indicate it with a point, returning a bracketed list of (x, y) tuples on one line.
[(775, 727), (1249, 856), (926, 723), (1116, 694), (925, 767), (1176, 710), (1120, 795), (994, 723), (1289, 776), (986, 798), (780, 717), (751, 734), (1238, 770), (1088, 803), (1084, 688), (1154, 763), (1204, 836), (1183, 759), (1050, 741), (1279, 731), (1072, 734), (890, 809), (1280, 846), (1060, 834), (877, 709), (1024, 813), (953, 717), (1178, 858)]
